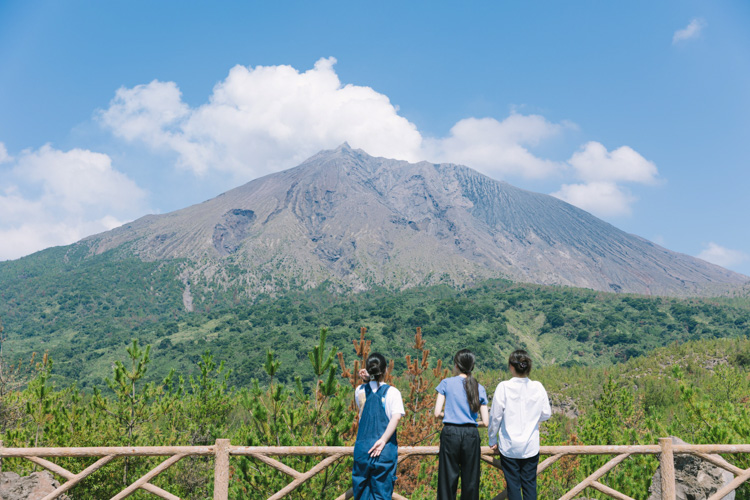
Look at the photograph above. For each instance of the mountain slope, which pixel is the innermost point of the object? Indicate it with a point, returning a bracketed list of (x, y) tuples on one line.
[(357, 221)]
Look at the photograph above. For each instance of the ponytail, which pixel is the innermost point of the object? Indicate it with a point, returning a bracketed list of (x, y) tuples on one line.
[(464, 361)]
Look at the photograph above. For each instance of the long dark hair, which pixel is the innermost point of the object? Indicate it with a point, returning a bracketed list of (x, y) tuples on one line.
[(521, 361), (464, 361), (376, 365)]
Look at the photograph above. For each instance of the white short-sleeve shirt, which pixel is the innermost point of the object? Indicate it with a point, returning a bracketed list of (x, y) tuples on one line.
[(394, 404)]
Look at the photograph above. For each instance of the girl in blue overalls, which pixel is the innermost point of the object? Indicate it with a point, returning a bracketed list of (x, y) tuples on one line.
[(376, 450)]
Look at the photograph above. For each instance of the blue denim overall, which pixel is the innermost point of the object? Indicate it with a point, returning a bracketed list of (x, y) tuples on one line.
[(373, 477)]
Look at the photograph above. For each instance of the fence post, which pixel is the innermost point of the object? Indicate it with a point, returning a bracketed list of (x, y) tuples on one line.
[(221, 469), (666, 464)]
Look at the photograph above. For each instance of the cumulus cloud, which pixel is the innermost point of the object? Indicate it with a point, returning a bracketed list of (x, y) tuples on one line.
[(263, 119), (594, 163), (602, 173), (692, 30), (52, 197), (497, 148), (721, 256), (146, 112), (603, 199)]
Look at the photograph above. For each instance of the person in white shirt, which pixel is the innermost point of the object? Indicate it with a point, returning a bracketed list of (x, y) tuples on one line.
[(519, 405)]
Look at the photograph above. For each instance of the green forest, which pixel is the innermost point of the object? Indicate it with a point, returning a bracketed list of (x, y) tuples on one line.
[(100, 351), (84, 312), (696, 390)]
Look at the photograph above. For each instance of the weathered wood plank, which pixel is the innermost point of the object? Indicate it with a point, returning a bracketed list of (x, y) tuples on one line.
[(595, 476), (77, 478), (221, 469), (609, 491), (304, 477), (666, 464), (223, 449), (148, 476), (103, 451)]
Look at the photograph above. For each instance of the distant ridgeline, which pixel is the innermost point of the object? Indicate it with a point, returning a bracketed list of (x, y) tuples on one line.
[(85, 311), (359, 222)]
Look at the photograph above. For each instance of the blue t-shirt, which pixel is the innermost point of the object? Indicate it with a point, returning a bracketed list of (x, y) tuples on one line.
[(457, 409)]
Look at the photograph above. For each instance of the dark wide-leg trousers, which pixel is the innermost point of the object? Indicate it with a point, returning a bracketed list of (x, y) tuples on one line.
[(520, 475), (458, 457)]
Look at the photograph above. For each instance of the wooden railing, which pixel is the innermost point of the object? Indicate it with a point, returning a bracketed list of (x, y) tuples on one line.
[(222, 450)]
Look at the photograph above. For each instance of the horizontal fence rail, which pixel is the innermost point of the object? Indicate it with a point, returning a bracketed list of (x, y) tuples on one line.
[(222, 450)]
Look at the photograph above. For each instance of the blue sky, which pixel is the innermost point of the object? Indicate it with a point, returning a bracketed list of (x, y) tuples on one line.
[(638, 111)]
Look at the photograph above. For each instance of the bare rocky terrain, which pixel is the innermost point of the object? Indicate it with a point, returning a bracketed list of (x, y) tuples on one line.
[(357, 221)]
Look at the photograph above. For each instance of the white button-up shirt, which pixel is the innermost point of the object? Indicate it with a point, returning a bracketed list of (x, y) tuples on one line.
[(517, 408)]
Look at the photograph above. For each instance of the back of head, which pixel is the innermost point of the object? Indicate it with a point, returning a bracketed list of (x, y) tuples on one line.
[(376, 366), (464, 361), (521, 362)]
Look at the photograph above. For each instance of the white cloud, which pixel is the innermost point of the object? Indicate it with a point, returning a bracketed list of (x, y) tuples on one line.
[(146, 112), (78, 179), (692, 30), (721, 256), (603, 199), (594, 163), (52, 197), (263, 119), (497, 148), (602, 173)]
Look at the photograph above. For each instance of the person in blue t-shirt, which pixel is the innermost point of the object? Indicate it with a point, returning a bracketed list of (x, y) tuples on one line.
[(464, 400)]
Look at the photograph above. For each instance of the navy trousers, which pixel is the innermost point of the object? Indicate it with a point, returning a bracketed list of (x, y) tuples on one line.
[(520, 475)]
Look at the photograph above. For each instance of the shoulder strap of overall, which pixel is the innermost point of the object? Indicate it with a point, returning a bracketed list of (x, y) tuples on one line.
[(368, 389)]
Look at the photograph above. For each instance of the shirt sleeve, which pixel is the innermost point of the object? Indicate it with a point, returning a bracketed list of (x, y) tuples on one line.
[(546, 410), (358, 392), (496, 414), (442, 386), (482, 395), (394, 403)]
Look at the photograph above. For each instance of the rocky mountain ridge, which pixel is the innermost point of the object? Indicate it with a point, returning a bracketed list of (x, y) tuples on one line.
[(357, 221)]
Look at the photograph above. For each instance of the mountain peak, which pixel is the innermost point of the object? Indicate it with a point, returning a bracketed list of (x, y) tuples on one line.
[(359, 221), (344, 150)]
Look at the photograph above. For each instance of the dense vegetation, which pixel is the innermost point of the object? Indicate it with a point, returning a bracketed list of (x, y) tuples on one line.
[(627, 369), (697, 391), (84, 311)]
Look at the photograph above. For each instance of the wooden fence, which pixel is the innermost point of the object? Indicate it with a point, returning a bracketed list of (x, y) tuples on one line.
[(222, 450)]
